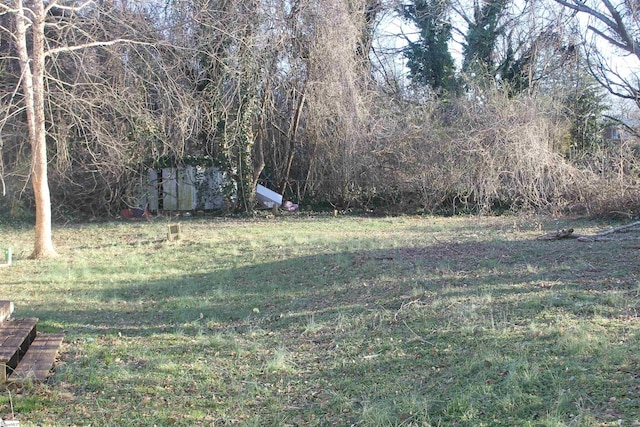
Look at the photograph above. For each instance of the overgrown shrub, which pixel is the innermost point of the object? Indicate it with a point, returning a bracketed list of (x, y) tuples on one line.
[(476, 154)]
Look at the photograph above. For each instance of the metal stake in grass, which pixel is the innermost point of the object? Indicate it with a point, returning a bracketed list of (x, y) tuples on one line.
[(8, 254)]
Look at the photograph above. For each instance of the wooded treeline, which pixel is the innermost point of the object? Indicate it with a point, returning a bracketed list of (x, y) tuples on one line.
[(303, 96)]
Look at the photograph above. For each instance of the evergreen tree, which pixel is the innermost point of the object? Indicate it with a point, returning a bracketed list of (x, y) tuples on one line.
[(480, 54), (482, 35), (429, 60), (586, 105)]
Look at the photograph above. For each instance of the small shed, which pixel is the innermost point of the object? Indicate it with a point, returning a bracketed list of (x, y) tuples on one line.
[(186, 188)]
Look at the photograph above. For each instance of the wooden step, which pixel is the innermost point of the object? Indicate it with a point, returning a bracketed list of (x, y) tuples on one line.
[(6, 308), (16, 336), (36, 364)]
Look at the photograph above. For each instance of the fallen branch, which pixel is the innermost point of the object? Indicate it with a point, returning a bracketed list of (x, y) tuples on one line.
[(597, 238), (567, 233), (619, 229), (602, 236), (560, 234)]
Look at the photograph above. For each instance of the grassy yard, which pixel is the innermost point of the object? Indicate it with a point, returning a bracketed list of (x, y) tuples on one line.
[(322, 321)]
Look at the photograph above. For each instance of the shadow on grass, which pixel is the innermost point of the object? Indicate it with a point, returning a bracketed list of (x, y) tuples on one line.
[(444, 333), (293, 289)]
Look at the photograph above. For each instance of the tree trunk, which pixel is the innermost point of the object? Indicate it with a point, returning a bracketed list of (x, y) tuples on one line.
[(293, 133), (33, 87)]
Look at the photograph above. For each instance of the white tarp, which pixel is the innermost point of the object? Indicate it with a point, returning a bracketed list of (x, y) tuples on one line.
[(268, 197)]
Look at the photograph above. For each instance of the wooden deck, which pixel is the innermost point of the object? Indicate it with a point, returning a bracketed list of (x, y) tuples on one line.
[(37, 362), (24, 353), (15, 338)]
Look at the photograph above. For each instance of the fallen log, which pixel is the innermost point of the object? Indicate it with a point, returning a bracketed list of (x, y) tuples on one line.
[(567, 233), (620, 229), (603, 235), (597, 238)]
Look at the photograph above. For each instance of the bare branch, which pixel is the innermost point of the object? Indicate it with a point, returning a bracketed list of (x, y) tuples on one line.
[(8, 31), (581, 7), (7, 9), (65, 49), (17, 12), (620, 28), (605, 76), (54, 4), (613, 23), (608, 38)]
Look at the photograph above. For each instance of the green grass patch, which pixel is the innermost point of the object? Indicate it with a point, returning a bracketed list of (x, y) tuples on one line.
[(331, 321)]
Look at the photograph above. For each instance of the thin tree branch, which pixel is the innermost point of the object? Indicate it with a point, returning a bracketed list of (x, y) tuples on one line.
[(54, 4), (603, 75), (8, 31), (7, 9), (65, 49), (621, 28), (581, 7), (608, 38), (614, 23)]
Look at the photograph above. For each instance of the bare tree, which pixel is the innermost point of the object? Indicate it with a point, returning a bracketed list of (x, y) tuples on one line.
[(35, 39), (618, 24), (32, 64)]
